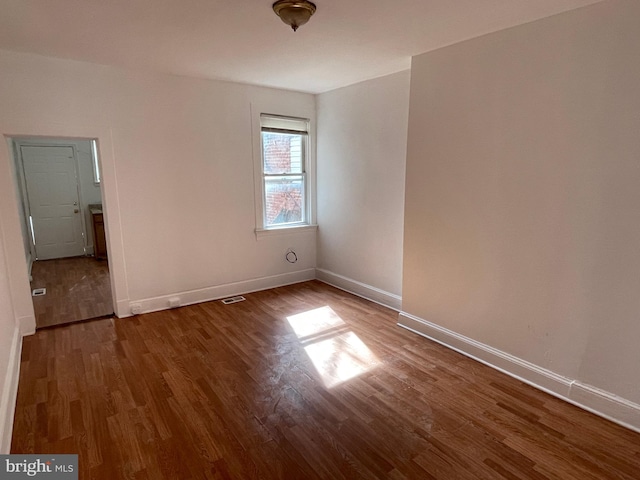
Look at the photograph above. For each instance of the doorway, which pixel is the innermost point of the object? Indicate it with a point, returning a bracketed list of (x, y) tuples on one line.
[(59, 182), (53, 199)]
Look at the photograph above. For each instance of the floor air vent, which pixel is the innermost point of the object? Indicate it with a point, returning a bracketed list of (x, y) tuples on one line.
[(38, 292), (230, 300)]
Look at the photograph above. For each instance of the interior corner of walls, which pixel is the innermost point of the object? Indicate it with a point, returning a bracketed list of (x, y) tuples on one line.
[(594, 400), (360, 289), (10, 392)]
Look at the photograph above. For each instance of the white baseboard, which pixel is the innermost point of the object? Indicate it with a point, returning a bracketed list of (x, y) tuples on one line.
[(154, 304), (605, 404), (27, 325), (587, 397), (9, 392), (360, 289), (122, 308)]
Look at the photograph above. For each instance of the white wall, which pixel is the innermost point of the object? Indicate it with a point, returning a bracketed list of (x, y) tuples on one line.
[(522, 223), (362, 135), (177, 170), (9, 347)]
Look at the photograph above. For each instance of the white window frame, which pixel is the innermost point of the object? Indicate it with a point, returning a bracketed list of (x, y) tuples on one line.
[(274, 122)]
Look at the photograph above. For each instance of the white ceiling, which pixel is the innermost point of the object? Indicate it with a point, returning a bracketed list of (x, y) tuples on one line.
[(345, 42)]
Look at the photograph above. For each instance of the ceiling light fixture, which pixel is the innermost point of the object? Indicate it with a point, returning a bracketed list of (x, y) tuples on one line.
[(294, 13)]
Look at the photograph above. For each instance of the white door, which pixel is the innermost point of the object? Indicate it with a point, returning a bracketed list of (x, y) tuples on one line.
[(52, 189)]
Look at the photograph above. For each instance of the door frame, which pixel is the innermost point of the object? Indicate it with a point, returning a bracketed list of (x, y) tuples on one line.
[(10, 226), (49, 142)]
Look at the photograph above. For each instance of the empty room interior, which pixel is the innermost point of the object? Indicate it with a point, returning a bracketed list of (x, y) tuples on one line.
[(330, 240)]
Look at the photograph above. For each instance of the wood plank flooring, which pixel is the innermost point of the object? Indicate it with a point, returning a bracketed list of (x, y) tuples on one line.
[(77, 289), (299, 382)]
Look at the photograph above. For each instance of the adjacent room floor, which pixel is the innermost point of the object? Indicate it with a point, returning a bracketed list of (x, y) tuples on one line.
[(76, 289), (299, 382)]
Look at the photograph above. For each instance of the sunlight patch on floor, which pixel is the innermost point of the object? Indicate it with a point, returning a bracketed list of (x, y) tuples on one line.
[(337, 353)]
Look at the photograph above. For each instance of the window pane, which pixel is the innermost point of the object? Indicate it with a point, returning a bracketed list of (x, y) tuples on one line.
[(284, 200), (96, 164), (282, 153)]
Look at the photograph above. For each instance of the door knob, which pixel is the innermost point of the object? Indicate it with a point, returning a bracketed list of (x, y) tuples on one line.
[(75, 210)]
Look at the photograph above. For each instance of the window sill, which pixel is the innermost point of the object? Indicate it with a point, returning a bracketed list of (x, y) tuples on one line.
[(267, 232)]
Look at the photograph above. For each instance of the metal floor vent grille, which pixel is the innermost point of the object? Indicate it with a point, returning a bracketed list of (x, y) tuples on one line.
[(38, 292), (230, 300)]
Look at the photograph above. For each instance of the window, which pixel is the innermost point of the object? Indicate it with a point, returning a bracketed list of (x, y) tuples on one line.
[(284, 171), (96, 164)]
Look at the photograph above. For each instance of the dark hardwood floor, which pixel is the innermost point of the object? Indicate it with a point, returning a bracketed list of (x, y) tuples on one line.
[(299, 382), (78, 288)]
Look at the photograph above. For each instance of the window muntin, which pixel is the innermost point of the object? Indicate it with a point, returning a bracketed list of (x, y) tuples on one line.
[(284, 163)]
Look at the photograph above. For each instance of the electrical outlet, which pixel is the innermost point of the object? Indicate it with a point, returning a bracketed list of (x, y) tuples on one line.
[(136, 308), (174, 302)]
